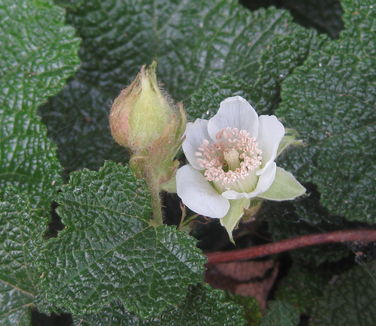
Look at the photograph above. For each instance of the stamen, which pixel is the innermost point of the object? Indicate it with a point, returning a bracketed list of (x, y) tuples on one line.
[(231, 158)]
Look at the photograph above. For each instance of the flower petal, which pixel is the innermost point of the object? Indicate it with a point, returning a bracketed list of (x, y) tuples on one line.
[(234, 215), (195, 134), (264, 182), (234, 112), (269, 136), (197, 193), (284, 187)]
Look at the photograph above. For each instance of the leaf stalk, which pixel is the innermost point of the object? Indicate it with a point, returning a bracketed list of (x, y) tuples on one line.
[(363, 236)]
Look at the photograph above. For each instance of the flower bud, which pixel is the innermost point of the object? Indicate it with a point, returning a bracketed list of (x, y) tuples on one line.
[(144, 119), (141, 114)]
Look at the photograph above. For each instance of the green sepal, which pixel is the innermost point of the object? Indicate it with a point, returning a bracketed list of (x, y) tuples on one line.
[(289, 139), (234, 215), (284, 187)]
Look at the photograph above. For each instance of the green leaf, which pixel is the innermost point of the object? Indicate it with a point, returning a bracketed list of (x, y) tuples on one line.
[(21, 234), (330, 102), (27, 157), (278, 61), (282, 314), (251, 308), (111, 315), (324, 15), (204, 102), (191, 40), (301, 287), (38, 54), (203, 306), (351, 300), (262, 87), (284, 187), (108, 251)]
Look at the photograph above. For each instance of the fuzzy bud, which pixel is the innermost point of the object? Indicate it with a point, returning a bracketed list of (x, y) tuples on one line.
[(144, 119), (141, 113)]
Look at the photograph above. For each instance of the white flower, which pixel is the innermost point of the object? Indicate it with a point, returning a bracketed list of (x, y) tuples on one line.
[(231, 160)]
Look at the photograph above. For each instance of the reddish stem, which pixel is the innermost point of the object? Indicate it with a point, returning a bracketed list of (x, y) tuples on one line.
[(363, 236)]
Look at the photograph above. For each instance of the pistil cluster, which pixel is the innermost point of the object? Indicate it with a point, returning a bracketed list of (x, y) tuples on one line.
[(230, 158)]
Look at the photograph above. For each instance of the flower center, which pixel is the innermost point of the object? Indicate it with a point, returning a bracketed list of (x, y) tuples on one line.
[(231, 158)]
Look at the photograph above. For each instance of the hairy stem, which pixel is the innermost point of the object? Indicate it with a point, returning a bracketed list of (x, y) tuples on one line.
[(363, 236), (156, 203), (143, 168)]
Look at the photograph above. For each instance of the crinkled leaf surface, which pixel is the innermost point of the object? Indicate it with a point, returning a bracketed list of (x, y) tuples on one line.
[(38, 53), (204, 102), (282, 314), (28, 158), (323, 15), (108, 251), (203, 306), (21, 234), (301, 287), (191, 40), (351, 300), (330, 100), (276, 62), (251, 308), (111, 315)]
